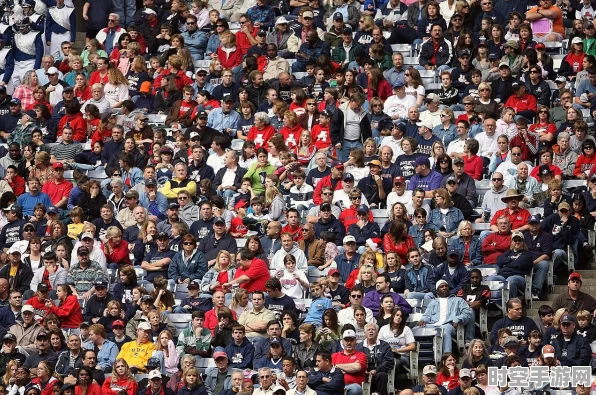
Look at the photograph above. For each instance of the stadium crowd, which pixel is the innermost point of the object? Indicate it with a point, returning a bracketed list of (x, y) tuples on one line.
[(205, 158)]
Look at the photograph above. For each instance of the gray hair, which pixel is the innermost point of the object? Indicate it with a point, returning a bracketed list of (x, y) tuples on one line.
[(371, 325), (116, 181), (263, 117), (563, 135), (115, 16), (264, 370), (190, 358)]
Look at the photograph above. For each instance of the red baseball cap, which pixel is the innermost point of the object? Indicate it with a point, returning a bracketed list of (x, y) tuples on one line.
[(240, 204), (118, 323), (332, 272)]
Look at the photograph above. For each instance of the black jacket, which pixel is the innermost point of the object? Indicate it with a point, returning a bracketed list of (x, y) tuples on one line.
[(383, 356), (578, 351), (442, 56), (110, 149), (239, 174), (21, 281), (4, 358), (338, 127), (335, 386), (94, 308), (149, 34)]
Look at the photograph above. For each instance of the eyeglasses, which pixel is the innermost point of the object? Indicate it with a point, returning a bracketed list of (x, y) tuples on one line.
[(310, 104), (484, 90), (219, 25), (468, 104), (190, 23), (305, 230), (517, 240), (444, 115), (420, 216), (242, 23), (444, 161), (543, 112), (28, 230), (182, 197), (407, 74), (117, 174), (327, 194), (265, 376), (457, 19), (356, 296), (188, 243), (497, 179), (376, 105), (588, 147)]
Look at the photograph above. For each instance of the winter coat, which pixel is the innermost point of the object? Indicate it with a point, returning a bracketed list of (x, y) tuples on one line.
[(426, 275), (442, 56), (515, 263), (69, 312), (194, 269), (458, 311), (456, 281)]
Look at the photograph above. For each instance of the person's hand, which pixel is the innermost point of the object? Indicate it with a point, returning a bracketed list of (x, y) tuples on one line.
[(161, 293), (360, 223), (454, 324), (131, 247), (186, 281), (49, 303), (49, 43), (122, 314), (421, 324), (326, 379), (215, 285), (85, 17), (87, 295), (152, 196), (221, 325), (105, 312), (338, 146), (377, 179)]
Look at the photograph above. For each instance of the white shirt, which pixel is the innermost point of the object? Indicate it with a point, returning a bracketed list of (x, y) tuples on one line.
[(395, 145), (342, 196), (456, 147), (228, 178), (216, 161), (393, 198), (434, 117), (509, 170), (487, 144), (394, 106), (402, 340), (346, 316)]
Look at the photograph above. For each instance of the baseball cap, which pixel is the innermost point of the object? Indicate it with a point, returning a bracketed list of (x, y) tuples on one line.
[(398, 84), (86, 324), (325, 207), (399, 180), (453, 251), (52, 70), (429, 369), (27, 308), (241, 203), (83, 251), (42, 334), (577, 40), (539, 46), (337, 16), (68, 89), (118, 323), (561, 78), (568, 319), (278, 388), (9, 336), (2, 88), (349, 334), (275, 340), (144, 325), (261, 33), (511, 341), (43, 287), (163, 235), (374, 162), (53, 210), (202, 72), (564, 206), (87, 235), (464, 52), (14, 208), (534, 219), (28, 225), (451, 179), (281, 20), (493, 56), (504, 64), (140, 116), (349, 239), (422, 161), (132, 194), (145, 87), (227, 97), (511, 44), (218, 220), (482, 43), (465, 373), (516, 85), (432, 97), (333, 272), (57, 165), (146, 298), (544, 169), (308, 14), (194, 284), (327, 114), (150, 182), (548, 351), (154, 374), (101, 283), (149, 11), (517, 234), (347, 30), (348, 177), (337, 164), (575, 276), (220, 353), (427, 123), (363, 208), (15, 100), (173, 206), (202, 114)]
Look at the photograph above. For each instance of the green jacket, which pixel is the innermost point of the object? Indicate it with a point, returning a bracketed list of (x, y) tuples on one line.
[(590, 46), (188, 339), (258, 185), (384, 64), (339, 53)]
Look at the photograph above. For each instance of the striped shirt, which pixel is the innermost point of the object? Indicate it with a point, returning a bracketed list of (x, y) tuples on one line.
[(65, 151)]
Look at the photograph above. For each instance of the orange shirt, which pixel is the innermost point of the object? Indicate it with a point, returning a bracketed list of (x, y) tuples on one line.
[(558, 22)]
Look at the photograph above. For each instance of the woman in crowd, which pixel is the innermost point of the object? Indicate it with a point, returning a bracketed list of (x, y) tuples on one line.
[(57, 341), (116, 90), (355, 165), (330, 331), (221, 26), (121, 379), (76, 67), (378, 86), (400, 338), (123, 289), (445, 218), (468, 245), (98, 98), (275, 204), (136, 75), (477, 355), (414, 86), (220, 273), (82, 90), (45, 378), (240, 302), (247, 119), (165, 351), (386, 310), (68, 309), (115, 249), (506, 124), (58, 234), (92, 200), (24, 91), (259, 168), (398, 240), (448, 371), (32, 256), (166, 95), (192, 385), (39, 97)]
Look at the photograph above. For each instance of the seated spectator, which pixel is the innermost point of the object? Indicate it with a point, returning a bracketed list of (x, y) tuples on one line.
[(84, 273), (138, 352)]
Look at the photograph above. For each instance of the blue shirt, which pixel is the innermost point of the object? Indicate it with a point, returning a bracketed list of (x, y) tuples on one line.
[(317, 308), (109, 43), (28, 202), (429, 183)]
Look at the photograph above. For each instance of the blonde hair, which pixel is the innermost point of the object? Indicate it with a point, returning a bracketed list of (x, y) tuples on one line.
[(127, 372), (115, 77), (270, 194), (365, 269), (216, 266), (113, 231)]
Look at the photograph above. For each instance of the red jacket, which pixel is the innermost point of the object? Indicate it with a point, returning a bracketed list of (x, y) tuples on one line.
[(473, 166), (291, 136), (109, 388), (350, 216), (181, 79), (494, 245), (526, 153), (78, 125), (18, 185), (47, 389), (584, 165), (119, 254), (211, 319), (383, 91), (229, 60), (324, 182), (401, 249), (528, 103), (69, 312)]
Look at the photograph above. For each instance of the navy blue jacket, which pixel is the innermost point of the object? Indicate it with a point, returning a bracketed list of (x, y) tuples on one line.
[(383, 356), (346, 266), (541, 245), (513, 263), (460, 277), (562, 236), (368, 231), (240, 356), (578, 349), (335, 386), (427, 282), (442, 57), (335, 226)]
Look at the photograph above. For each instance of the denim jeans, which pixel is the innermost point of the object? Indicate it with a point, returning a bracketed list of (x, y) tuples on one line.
[(346, 146), (470, 330), (449, 332), (559, 256), (298, 67), (126, 11), (540, 274), (353, 389), (426, 296), (515, 282)]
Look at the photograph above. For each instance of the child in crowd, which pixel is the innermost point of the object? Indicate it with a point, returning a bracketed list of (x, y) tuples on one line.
[(586, 328), (238, 228), (331, 250), (179, 229), (255, 219), (192, 302), (293, 282), (118, 336), (301, 194), (76, 227), (547, 317), (318, 306), (533, 349), (321, 136)]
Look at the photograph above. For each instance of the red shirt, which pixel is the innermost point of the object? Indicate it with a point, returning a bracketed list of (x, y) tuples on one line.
[(95, 78), (494, 245), (517, 218), (554, 169), (297, 232), (291, 136), (69, 311), (57, 189), (258, 274), (18, 185), (260, 137), (242, 42), (473, 166), (357, 356), (238, 226), (211, 319), (78, 125), (320, 136)]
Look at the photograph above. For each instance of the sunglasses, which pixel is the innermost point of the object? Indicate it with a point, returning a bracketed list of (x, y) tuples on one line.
[(355, 198), (327, 194), (188, 243), (112, 20), (497, 179), (533, 71), (515, 154), (356, 296)]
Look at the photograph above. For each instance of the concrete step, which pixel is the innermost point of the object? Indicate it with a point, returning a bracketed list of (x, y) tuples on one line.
[(587, 287), (587, 274)]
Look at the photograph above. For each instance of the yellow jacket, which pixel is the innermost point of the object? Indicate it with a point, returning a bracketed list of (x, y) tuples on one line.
[(136, 354), (172, 193)]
